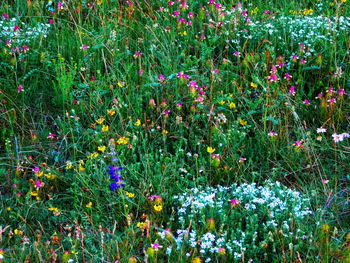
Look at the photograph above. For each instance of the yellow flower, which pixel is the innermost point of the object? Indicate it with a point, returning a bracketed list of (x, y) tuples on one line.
[(137, 123), (210, 150), (18, 232), (50, 176), (255, 11), (39, 174), (81, 167), (185, 33), (123, 140), (131, 195), (196, 260), (120, 84), (105, 128), (222, 102), (165, 132), (232, 105), (242, 122), (92, 155), (53, 209), (34, 193), (9, 209), (89, 205), (69, 165), (99, 2), (111, 112), (158, 208), (100, 120), (102, 148), (141, 224), (252, 84)]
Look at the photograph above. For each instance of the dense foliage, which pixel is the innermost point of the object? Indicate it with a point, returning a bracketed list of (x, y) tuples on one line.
[(174, 131)]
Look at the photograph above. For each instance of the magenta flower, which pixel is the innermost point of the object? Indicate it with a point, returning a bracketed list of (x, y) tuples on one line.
[(156, 246), (236, 53), (234, 203), (179, 105), (39, 184), (176, 13), (272, 134), (273, 78), (51, 136), (291, 91), (306, 102), (161, 78), (242, 160), (5, 15), (332, 101), (298, 144), (138, 54), (341, 92), (19, 88), (84, 47), (287, 76)]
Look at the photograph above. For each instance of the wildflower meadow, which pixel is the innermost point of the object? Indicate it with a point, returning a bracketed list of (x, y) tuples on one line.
[(175, 131)]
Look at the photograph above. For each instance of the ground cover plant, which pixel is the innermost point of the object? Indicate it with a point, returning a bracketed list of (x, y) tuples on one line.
[(174, 131)]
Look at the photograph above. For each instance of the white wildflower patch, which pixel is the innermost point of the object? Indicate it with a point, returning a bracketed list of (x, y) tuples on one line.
[(244, 220)]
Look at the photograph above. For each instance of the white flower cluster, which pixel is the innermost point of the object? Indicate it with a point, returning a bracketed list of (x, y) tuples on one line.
[(18, 33), (261, 211), (310, 30)]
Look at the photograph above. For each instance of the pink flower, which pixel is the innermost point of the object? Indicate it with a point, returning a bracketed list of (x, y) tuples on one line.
[(156, 246), (51, 136), (36, 169), (273, 78), (298, 144), (5, 15), (182, 76), (332, 101), (234, 203), (153, 197), (200, 99), (39, 184), (325, 181), (19, 88), (306, 102), (291, 91), (272, 134), (295, 58), (287, 76), (340, 137), (242, 160), (161, 78), (341, 92), (138, 54), (84, 47), (15, 28), (176, 13)]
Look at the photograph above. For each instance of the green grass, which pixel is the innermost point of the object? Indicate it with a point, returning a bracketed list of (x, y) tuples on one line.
[(92, 78)]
